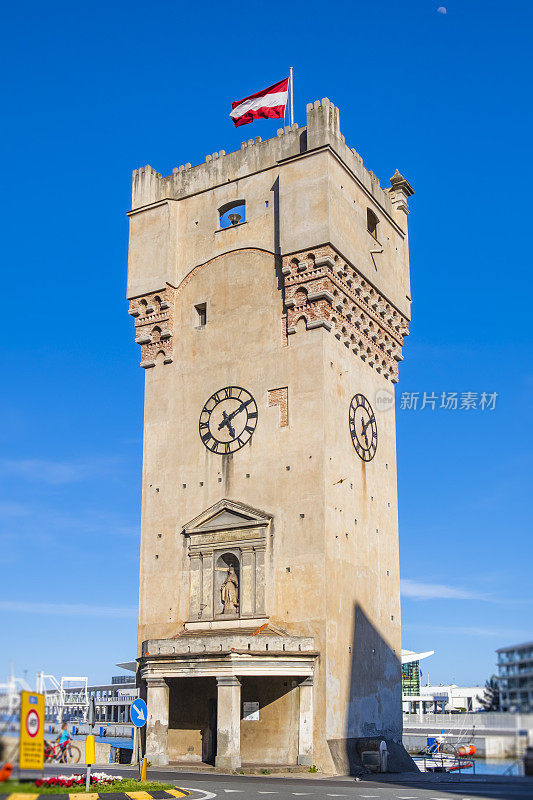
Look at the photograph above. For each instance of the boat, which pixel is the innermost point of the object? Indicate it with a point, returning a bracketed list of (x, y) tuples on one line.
[(439, 756)]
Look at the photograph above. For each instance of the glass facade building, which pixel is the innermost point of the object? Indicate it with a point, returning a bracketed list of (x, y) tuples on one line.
[(411, 678), (515, 677)]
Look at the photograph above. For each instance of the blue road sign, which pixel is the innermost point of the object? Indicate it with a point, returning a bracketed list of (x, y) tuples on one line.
[(138, 713)]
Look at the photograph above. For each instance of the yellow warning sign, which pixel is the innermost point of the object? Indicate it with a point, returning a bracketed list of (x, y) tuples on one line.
[(31, 749)]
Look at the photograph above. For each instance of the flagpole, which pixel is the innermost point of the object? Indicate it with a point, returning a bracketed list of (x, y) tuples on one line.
[(292, 100)]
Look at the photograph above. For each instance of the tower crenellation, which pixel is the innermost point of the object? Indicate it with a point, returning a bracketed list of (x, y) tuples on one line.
[(322, 129)]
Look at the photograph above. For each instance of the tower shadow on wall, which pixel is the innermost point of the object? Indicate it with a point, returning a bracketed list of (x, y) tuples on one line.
[(277, 239), (374, 711)]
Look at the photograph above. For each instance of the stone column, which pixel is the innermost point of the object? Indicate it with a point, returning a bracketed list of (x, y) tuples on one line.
[(228, 723), (260, 580), (157, 724), (206, 612), (247, 587), (195, 589), (305, 728)]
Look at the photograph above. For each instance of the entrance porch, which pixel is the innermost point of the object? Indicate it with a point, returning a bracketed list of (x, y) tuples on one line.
[(230, 698)]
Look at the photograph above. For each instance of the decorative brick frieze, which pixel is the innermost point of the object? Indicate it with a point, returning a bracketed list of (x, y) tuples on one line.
[(280, 397), (153, 314), (325, 291)]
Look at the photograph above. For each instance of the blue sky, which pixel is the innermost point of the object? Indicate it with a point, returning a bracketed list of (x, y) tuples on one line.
[(90, 93)]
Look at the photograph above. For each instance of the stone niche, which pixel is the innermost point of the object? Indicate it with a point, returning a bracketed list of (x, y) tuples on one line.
[(226, 549)]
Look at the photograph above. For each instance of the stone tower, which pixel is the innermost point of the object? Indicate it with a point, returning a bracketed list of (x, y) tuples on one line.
[(270, 293)]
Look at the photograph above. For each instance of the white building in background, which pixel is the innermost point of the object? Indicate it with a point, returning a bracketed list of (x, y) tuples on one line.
[(431, 699), (443, 699), (113, 700)]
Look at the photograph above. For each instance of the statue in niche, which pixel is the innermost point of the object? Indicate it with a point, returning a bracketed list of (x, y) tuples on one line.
[(229, 592)]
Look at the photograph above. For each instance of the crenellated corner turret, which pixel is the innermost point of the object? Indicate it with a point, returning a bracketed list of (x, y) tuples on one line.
[(400, 190), (153, 315)]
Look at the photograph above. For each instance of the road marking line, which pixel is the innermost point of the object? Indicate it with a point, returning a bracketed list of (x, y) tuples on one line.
[(174, 793), (21, 796), (204, 795), (145, 795)]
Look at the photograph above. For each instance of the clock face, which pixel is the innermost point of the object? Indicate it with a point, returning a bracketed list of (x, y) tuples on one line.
[(363, 427), (228, 420)]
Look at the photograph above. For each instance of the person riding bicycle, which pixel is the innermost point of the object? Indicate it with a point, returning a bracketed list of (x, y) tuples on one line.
[(63, 739)]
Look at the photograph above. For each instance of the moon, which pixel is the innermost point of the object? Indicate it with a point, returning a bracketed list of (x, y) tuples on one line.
[(442, 10)]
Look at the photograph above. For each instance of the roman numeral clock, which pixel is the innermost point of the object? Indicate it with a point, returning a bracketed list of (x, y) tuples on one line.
[(228, 420), (363, 427)]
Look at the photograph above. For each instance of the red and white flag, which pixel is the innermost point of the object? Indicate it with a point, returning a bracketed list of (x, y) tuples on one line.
[(268, 104)]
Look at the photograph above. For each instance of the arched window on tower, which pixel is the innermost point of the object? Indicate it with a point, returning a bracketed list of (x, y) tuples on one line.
[(372, 223), (231, 214)]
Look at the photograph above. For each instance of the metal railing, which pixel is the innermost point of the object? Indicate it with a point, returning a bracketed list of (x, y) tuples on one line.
[(483, 721), (516, 765)]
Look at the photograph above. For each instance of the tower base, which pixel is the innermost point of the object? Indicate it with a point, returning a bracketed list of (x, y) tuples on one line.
[(347, 754)]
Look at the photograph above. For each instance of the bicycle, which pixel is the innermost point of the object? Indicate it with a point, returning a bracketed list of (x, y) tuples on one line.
[(54, 753)]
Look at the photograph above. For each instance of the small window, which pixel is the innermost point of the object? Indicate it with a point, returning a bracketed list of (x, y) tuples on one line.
[(231, 214), (372, 223), (201, 315)]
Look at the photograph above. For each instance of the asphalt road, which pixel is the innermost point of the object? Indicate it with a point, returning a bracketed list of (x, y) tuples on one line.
[(261, 787)]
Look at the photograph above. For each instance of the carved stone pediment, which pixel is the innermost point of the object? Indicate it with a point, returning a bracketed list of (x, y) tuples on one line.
[(225, 515)]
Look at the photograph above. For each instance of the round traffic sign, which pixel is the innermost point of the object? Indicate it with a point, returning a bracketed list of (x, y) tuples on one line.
[(138, 713), (32, 723)]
